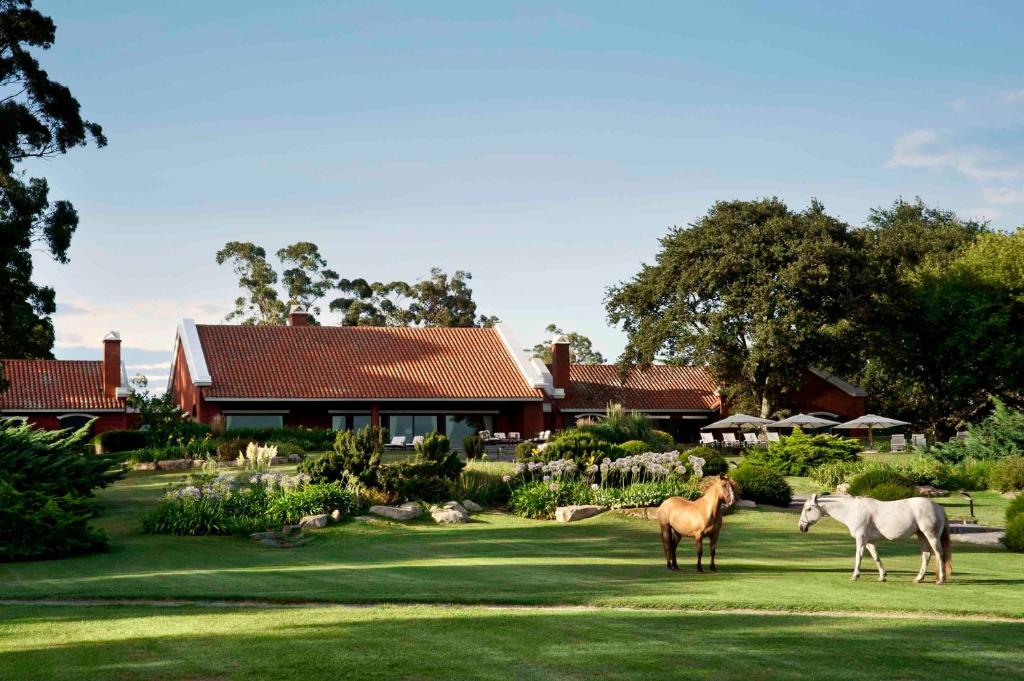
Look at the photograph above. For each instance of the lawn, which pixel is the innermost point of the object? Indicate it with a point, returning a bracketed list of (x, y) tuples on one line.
[(611, 560)]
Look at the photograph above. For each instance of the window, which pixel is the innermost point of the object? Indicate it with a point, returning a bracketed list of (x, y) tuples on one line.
[(239, 421), (458, 426), (411, 425), (350, 421), (74, 421)]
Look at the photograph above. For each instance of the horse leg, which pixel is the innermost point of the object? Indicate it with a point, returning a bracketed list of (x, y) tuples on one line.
[(666, 543), (676, 538), (940, 569), (878, 561), (700, 551), (713, 540), (926, 553), (858, 556)]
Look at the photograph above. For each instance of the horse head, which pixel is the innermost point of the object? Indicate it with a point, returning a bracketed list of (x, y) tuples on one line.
[(722, 487), (810, 514)]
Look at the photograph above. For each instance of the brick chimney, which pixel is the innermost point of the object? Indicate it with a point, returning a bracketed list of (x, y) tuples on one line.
[(111, 364), (560, 363), (298, 316)]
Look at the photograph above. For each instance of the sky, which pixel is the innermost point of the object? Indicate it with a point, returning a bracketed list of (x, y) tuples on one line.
[(544, 147)]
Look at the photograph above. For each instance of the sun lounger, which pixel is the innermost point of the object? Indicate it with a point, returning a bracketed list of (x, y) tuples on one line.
[(397, 442), (708, 440), (898, 443), (773, 437), (729, 441), (918, 441)]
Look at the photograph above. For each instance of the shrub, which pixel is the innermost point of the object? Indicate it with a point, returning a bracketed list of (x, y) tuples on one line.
[(114, 441), (619, 425), (34, 525), (473, 446), (890, 491), (581, 446), (999, 435), (256, 458), (526, 451), (631, 447), (660, 441), (1016, 508), (430, 476), (714, 463), (865, 482), (310, 439), (1014, 538), (484, 484), (644, 494), (798, 453), (231, 449), (1007, 475), (313, 499), (540, 499), (831, 475), (288, 449), (762, 484)]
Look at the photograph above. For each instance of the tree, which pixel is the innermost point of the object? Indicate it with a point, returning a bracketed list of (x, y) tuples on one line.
[(376, 304), (305, 277), (581, 350), (754, 291), (39, 118)]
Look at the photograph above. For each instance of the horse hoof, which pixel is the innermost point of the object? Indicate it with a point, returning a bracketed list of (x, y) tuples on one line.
[(854, 578), (882, 578), (918, 580)]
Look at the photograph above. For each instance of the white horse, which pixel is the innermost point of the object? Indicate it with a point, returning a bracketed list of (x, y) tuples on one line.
[(869, 520)]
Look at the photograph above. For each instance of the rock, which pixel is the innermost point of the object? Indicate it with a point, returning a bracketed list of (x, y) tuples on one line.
[(257, 536), (314, 521), (570, 514), (291, 530), (174, 464), (393, 513), (745, 503), (413, 508), (1011, 495), (930, 491), (146, 466), (336, 515), (457, 506), (449, 516), (472, 506), (843, 489)]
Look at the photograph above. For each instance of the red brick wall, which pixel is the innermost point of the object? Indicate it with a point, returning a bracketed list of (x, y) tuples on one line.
[(111, 366), (104, 422), (818, 395)]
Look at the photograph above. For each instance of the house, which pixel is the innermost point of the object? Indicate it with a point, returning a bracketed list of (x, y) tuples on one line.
[(412, 381), (61, 393)]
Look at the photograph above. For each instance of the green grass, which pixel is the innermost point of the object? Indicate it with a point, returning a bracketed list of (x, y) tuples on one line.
[(610, 560)]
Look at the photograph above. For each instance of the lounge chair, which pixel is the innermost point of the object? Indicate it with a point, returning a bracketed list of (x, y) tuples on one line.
[(750, 440), (418, 440), (543, 436), (708, 440), (961, 436), (729, 441), (515, 437), (397, 442), (898, 443), (773, 437), (918, 441), (500, 438)]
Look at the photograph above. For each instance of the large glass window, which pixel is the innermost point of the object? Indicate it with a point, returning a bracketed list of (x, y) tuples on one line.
[(350, 421), (458, 426), (239, 421), (411, 425)]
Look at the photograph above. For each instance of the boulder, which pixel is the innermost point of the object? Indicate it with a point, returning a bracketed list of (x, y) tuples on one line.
[(472, 506), (449, 516), (314, 521), (745, 503), (393, 513), (146, 466), (174, 464), (570, 514), (457, 506), (930, 491), (413, 508), (257, 536), (291, 530), (843, 489)]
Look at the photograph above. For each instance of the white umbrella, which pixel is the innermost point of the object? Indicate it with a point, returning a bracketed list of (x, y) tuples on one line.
[(738, 421), (871, 421), (804, 421)]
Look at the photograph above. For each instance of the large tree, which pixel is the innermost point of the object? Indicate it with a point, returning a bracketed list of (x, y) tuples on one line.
[(39, 118), (581, 349), (373, 304), (305, 278), (754, 291)]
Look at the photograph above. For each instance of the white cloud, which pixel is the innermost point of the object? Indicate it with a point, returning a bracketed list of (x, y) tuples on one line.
[(1002, 195), (928, 149), (1012, 96), (982, 214)]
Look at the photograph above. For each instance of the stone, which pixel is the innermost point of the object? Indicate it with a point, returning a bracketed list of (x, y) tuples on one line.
[(457, 506), (174, 464), (472, 506), (450, 516), (843, 489), (146, 466), (257, 536), (314, 521), (336, 515), (570, 514), (291, 530), (393, 513), (930, 491), (745, 503), (413, 508)]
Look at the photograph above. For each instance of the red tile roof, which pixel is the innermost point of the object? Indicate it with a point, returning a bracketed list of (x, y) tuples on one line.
[(660, 387), (55, 384), (351, 362)]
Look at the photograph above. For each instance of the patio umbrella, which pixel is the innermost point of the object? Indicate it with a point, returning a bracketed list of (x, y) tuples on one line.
[(804, 421), (871, 421), (738, 421)]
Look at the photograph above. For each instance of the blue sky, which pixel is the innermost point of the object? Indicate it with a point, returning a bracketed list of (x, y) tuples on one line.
[(543, 147)]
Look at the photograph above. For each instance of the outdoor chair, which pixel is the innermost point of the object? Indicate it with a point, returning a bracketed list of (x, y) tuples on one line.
[(773, 437), (898, 443), (500, 438), (708, 440), (750, 440), (543, 436), (729, 440), (515, 437), (961, 436), (397, 442), (918, 441), (418, 440)]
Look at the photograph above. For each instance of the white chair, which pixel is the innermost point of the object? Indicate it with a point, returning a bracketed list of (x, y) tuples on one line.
[(729, 441), (708, 440), (773, 437), (514, 437), (484, 434), (750, 440), (500, 438), (898, 443), (960, 436), (418, 440), (397, 442), (918, 441)]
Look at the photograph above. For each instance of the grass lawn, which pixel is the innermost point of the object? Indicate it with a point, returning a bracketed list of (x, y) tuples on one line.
[(610, 560)]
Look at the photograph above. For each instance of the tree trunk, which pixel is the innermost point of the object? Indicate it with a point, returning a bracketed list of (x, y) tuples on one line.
[(766, 407)]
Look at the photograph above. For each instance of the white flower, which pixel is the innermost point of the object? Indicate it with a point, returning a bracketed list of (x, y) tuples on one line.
[(506, 478), (595, 486), (547, 478), (553, 487)]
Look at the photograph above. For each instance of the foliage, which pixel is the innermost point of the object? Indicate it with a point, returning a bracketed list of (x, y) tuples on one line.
[(1014, 537), (645, 494), (799, 453), (752, 290), (581, 349), (229, 505), (889, 491), (540, 499), (305, 276), (35, 525), (762, 484), (39, 119), (309, 439), (288, 449), (526, 450), (356, 456), (919, 470), (430, 476), (161, 418), (256, 458), (831, 475), (228, 449), (484, 483), (1015, 509), (714, 463), (473, 446), (631, 447), (1007, 475), (863, 484), (619, 425), (114, 441), (579, 445)]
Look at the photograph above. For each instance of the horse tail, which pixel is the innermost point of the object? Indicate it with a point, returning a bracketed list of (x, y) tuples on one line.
[(947, 550)]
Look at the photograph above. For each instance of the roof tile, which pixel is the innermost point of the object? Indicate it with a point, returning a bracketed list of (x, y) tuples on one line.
[(665, 387), (55, 384)]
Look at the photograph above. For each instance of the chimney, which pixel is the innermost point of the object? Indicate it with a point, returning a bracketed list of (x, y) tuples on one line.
[(111, 364), (297, 316), (560, 362)]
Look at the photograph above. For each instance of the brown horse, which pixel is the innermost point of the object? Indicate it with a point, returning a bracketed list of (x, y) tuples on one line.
[(697, 519)]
